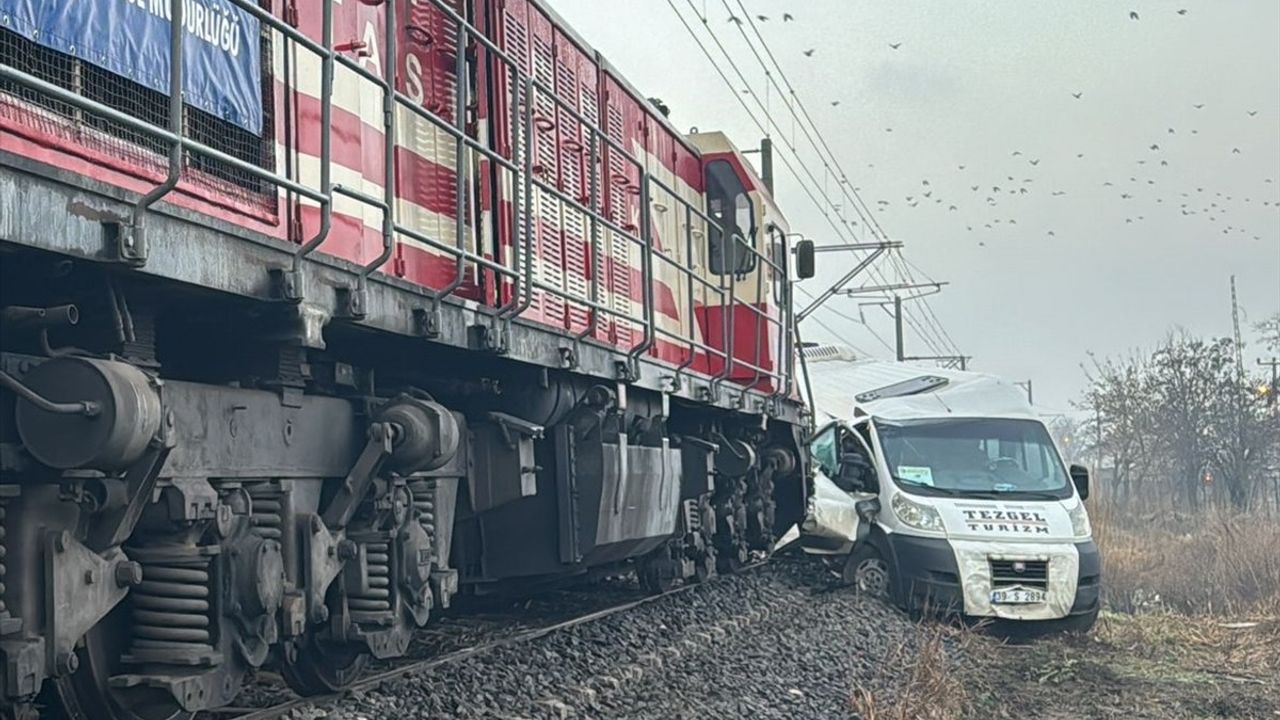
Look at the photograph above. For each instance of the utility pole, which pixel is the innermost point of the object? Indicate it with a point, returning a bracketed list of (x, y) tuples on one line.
[(1027, 384), (897, 327), (1235, 327), (900, 350), (1275, 376), (766, 160)]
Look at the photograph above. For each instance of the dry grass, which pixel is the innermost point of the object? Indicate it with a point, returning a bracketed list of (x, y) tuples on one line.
[(929, 686), (1243, 652), (1213, 564), (1191, 629)]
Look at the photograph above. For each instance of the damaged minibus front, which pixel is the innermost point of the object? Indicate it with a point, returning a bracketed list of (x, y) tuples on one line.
[(944, 490)]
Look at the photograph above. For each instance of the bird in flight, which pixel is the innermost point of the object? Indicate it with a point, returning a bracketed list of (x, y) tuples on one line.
[(1154, 146), (735, 19), (762, 18), (1079, 155), (1252, 113), (1164, 163), (1126, 196), (1171, 131), (788, 17), (1036, 161), (1052, 233), (1056, 193), (975, 187), (888, 129), (834, 103), (952, 208), (1199, 106), (1235, 151), (1077, 95), (896, 45), (1182, 11), (961, 167), (1133, 14)]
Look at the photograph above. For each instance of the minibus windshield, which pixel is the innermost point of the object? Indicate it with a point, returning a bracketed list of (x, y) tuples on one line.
[(980, 458)]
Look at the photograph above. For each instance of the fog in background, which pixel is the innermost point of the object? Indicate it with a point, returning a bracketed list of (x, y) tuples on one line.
[(971, 84)]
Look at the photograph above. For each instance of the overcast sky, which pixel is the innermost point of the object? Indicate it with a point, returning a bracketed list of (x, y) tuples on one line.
[(972, 83)]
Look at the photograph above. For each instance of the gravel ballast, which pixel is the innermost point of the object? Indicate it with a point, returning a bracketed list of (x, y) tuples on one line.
[(774, 642)]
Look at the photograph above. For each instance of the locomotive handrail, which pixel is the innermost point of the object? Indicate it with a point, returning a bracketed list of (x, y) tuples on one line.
[(177, 110), (460, 178), (389, 140), (518, 263), (8, 72), (326, 136)]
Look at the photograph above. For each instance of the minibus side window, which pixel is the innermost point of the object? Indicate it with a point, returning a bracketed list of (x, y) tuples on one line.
[(826, 451)]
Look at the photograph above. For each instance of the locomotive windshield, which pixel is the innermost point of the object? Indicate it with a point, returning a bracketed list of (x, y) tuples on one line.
[(731, 209)]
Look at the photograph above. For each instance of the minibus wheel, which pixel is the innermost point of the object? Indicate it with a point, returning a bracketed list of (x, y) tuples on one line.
[(868, 571)]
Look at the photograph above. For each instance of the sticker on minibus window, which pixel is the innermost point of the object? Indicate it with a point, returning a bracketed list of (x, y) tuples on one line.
[(916, 474)]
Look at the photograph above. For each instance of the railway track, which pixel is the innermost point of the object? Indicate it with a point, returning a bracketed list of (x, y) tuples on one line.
[(374, 679)]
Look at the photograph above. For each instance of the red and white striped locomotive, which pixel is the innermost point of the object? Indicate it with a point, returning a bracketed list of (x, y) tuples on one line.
[(416, 297)]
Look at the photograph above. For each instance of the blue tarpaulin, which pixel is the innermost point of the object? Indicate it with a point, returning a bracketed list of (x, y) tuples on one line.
[(222, 46)]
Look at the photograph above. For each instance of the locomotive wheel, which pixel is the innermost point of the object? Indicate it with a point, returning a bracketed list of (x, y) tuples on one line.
[(318, 667), (86, 694)]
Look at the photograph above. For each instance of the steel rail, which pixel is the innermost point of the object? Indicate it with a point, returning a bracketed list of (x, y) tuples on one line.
[(372, 681)]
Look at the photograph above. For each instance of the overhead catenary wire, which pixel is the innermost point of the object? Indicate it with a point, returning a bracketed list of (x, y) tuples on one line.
[(830, 160), (764, 129), (928, 329)]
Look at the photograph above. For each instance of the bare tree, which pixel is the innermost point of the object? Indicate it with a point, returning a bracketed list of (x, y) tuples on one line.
[(1174, 420)]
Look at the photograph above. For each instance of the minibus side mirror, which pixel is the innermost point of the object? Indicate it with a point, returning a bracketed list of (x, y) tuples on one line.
[(805, 260), (1080, 477)]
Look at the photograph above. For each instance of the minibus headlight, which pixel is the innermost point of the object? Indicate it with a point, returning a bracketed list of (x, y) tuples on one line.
[(1080, 522), (916, 515)]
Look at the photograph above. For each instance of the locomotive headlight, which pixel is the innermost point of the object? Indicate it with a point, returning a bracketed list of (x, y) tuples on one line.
[(1080, 526), (916, 515)]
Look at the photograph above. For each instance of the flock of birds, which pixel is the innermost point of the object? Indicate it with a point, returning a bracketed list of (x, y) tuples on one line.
[(994, 193)]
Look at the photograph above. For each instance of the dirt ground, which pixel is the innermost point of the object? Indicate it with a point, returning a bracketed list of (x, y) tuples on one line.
[(1145, 666)]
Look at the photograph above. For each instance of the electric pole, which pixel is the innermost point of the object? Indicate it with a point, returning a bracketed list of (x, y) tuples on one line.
[(1027, 384), (900, 350), (1275, 376)]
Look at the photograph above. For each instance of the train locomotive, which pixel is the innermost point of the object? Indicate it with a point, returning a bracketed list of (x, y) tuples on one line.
[(316, 314)]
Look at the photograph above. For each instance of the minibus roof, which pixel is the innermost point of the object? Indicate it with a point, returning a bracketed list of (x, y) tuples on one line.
[(845, 387)]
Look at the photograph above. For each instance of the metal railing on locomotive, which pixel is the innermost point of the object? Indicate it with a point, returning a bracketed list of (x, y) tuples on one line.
[(520, 165)]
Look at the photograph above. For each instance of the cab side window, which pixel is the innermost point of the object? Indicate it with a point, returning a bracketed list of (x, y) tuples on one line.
[(858, 467), (826, 452), (730, 207), (843, 459)]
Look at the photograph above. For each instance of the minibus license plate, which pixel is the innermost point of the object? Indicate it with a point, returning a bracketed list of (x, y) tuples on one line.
[(1016, 596)]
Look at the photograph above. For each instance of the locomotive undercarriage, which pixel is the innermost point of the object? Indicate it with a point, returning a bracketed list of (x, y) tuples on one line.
[(190, 489)]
